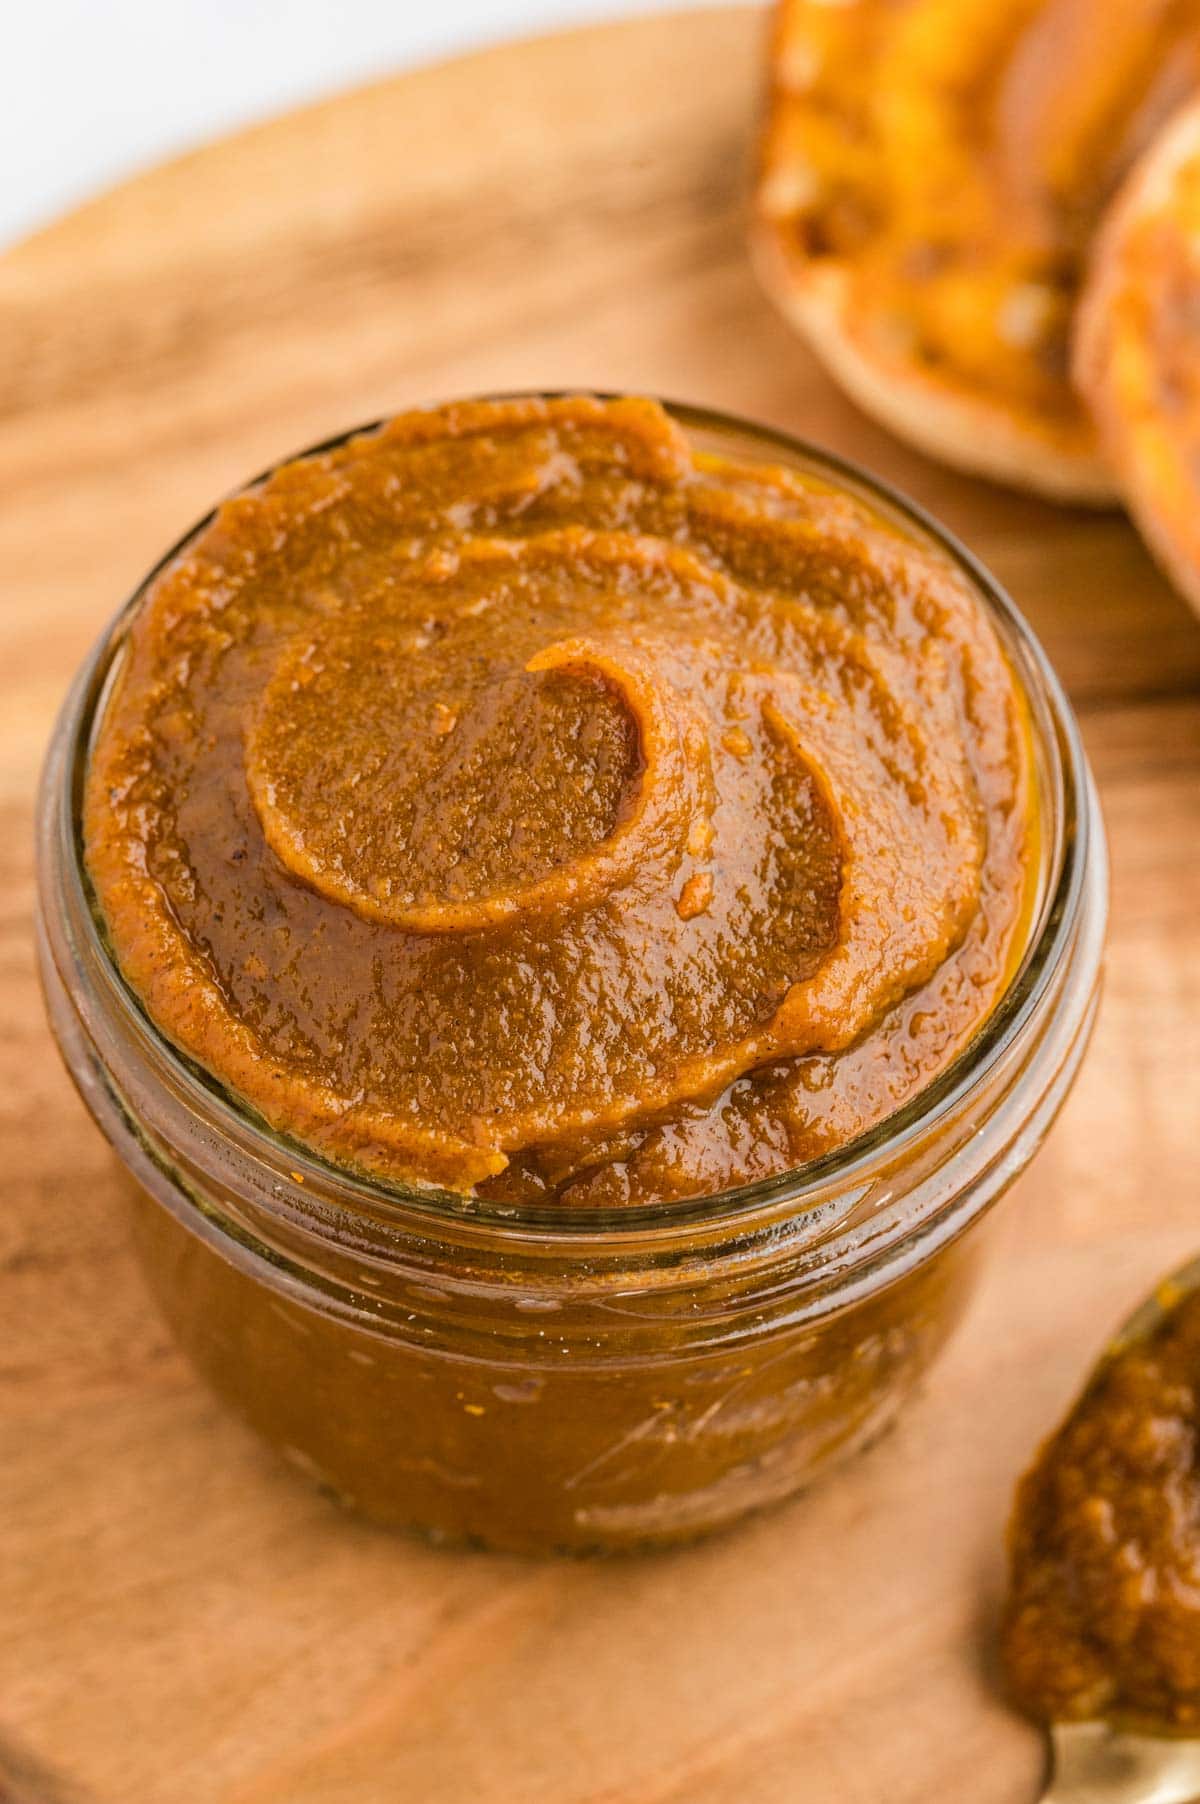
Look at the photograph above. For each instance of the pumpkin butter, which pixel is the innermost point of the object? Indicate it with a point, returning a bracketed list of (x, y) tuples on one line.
[(1103, 1615), (515, 800)]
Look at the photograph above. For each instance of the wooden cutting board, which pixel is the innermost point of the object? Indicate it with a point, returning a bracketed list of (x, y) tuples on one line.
[(181, 1622)]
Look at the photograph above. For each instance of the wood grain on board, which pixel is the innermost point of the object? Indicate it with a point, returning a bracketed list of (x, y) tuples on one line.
[(181, 1622)]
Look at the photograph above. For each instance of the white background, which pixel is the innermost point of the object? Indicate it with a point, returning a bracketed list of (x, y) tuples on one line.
[(91, 90)]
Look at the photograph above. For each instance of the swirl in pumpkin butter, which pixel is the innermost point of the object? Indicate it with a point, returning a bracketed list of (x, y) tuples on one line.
[(515, 800)]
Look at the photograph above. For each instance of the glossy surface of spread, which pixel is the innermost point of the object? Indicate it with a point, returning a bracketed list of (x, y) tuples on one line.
[(1104, 1612), (515, 799)]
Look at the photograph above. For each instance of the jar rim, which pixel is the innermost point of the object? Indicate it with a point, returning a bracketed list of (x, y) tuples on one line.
[(1051, 932)]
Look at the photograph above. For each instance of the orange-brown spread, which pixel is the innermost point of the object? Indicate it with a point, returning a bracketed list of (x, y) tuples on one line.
[(1104, 1614), (515, 799)]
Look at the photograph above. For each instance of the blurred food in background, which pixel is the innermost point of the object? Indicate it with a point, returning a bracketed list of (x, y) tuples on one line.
[(932, 176), (1137, 346)]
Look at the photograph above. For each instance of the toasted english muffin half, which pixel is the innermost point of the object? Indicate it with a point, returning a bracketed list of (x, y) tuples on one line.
[(930, 176), (1137, 346)]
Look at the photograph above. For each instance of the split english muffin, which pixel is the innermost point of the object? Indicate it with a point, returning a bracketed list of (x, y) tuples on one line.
[(931, 176), (1137, 350)]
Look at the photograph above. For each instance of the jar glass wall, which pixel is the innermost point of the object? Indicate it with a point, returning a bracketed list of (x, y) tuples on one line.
[(536, 1379)]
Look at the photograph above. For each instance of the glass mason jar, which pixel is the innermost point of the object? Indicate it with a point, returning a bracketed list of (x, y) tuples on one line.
[(541, 1380)]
